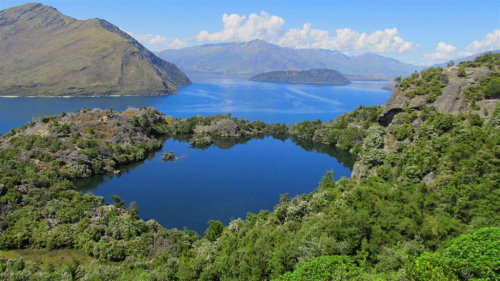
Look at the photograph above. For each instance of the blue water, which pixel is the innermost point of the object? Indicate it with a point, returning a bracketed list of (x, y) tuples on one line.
[(274, 103), (218, 183)]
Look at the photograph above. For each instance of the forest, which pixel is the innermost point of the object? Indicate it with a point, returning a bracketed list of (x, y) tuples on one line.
[(423, 202)]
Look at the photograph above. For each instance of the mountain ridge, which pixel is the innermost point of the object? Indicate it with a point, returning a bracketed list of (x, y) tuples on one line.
[(245, 59), (46, 53)]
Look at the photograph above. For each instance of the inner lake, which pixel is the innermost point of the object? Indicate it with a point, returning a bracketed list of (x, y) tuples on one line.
[(226, 181)]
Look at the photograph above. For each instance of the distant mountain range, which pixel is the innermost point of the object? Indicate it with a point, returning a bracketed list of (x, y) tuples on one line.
[(312, 76), (43, 52), (245, 59)]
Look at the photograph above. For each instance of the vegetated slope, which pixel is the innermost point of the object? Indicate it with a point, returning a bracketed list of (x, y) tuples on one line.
[(45, 53), (311, 76), (422, 205), (245, 59)]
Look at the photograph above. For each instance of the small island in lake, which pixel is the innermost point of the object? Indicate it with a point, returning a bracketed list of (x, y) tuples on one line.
[(321, 76)]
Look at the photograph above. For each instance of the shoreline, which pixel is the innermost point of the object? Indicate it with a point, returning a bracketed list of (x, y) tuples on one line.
[(68, 97)]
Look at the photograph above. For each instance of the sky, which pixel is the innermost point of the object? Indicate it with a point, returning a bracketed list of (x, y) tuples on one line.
[(418, 32)]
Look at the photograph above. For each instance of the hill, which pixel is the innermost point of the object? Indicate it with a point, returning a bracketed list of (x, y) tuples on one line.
[(45, 53), (470, 87), (311, 76), (422, 204), (245, 59)]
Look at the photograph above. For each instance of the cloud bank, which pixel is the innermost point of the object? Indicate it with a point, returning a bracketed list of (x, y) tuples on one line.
[(445, 51), (242, 28), (271, 28), (490, 43), (159, 42)]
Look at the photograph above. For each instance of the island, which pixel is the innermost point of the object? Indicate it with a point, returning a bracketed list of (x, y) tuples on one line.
[(320, 76)]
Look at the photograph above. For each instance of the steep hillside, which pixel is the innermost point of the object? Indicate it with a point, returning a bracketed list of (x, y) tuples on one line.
[(246, 59), (470, 87), (311, 76), (423, 202), (45, 53)]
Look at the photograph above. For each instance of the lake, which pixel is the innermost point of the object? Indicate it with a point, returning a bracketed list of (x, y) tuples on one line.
[(218, 182), (272, 103)]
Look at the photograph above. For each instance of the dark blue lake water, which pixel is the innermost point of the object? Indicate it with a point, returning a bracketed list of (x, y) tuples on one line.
[(218, 183)]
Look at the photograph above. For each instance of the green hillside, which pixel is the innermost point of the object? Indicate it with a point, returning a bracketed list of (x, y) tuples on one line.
[(423, 202)]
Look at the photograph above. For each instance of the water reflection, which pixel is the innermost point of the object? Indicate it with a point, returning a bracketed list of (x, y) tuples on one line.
[(222, 181)]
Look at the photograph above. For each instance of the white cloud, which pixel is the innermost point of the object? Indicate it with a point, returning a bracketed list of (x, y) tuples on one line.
[(443, 52), (490, 43), (158, 42), (240, 28), (303, 38), (346, 39), (270, 28)]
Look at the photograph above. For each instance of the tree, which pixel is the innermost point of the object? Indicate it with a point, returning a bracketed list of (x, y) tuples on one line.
[(214, 230), (327, 181), (133, 210), (475, 255), (461, 72), (472, 256), (451, 63), (330, 268), (118, 202)]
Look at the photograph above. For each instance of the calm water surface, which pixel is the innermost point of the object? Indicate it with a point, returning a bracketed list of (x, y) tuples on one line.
[(274, 103), (219, 182)]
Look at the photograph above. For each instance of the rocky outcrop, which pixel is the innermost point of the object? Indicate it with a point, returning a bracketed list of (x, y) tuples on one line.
[(168, 156), (91, 141), (451, 100)]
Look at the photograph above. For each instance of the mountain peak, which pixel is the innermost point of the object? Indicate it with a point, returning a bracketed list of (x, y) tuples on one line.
[(258, 42), (369, 55), (66, 56), (36, 13), (246, 59), (29, 6)]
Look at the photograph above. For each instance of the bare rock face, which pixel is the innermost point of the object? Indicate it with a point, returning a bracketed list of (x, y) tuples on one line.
[(227, 128), (223, 128), (45, 53), (452, 100)]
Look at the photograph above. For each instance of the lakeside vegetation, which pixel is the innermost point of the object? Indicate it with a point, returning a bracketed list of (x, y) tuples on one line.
[(423, 202)]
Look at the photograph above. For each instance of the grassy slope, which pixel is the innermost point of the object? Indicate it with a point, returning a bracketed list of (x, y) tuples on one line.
[(46, 53)]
